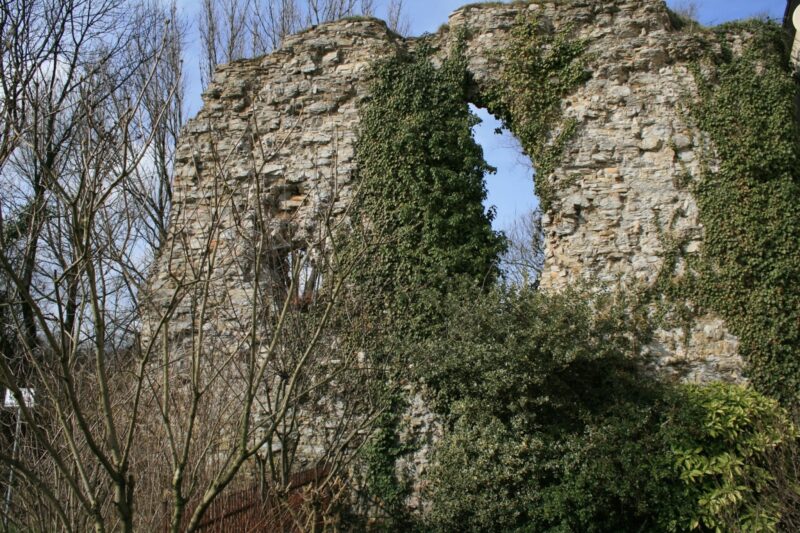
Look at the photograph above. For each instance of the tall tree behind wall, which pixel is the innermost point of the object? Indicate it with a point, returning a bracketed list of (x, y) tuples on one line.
[(233, 29), (162, 91), (90, 105), (71, 74)]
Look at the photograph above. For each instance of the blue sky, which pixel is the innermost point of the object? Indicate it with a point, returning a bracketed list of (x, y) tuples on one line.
[(511, 189)]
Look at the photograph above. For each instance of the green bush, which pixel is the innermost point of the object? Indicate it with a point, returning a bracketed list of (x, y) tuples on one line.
[(613, 476), (526, 381), (552, 428), (514, 346), (721, 437)]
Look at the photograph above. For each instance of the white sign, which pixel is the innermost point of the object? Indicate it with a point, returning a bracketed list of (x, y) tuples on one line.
[(27, 397)]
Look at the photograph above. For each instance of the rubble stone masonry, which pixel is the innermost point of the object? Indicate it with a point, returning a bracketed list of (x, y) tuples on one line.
[(284, 126)]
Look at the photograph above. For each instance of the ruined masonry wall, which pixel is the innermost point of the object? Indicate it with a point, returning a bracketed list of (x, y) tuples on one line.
[(291, 119), (619, 190), (287, 123)]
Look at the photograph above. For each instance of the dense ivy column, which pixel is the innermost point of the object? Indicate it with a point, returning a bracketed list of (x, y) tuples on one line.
[(422, 188), (750, 206), (420, 205)]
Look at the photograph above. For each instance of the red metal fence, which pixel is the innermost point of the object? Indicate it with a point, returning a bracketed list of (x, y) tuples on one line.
[(249, 511)]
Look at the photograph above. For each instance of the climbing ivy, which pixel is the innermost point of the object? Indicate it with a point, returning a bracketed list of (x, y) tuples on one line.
[(539, 67), (422, 189), (749, 271), (419, 207), (382, 484)]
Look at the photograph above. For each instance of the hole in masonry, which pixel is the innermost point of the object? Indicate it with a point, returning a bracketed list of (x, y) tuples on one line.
[(510, 193)]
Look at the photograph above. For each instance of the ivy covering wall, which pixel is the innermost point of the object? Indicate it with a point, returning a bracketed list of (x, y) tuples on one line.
[(420, 206), (749, 272), (550, 424), (421, 179), (539, 67)]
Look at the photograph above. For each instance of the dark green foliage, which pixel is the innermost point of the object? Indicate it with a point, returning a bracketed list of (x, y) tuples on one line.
[(539, 68), (420, 208), (750, 272), (514, 346), (551, 423), (484, 478), (552, 428), (422, 189), (616, 476)]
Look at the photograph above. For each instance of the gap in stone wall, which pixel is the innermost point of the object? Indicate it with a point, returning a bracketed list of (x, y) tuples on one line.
[(510, 190)]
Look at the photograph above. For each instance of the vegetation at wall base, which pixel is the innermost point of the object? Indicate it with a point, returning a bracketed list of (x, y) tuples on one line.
[(551, 426), (384, 487)]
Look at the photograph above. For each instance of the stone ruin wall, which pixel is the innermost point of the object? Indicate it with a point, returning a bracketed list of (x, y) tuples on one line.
[(618, 186), (291, 119), (288, 121)]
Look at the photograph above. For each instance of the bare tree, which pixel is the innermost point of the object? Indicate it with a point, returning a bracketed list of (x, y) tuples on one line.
[(162, 116), (397, 18), (274, 382), (92, 105), (74, 120), (232, 29), (223, 32), (272, 21), (185, 410), (368, 8), (523, 260), (320, 11)]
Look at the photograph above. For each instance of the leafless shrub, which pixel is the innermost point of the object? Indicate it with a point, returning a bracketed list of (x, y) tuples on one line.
[(523, 261)]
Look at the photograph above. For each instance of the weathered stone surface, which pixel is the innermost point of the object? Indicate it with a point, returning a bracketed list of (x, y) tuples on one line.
[(619, 185), (287, 123), (291, 119)]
